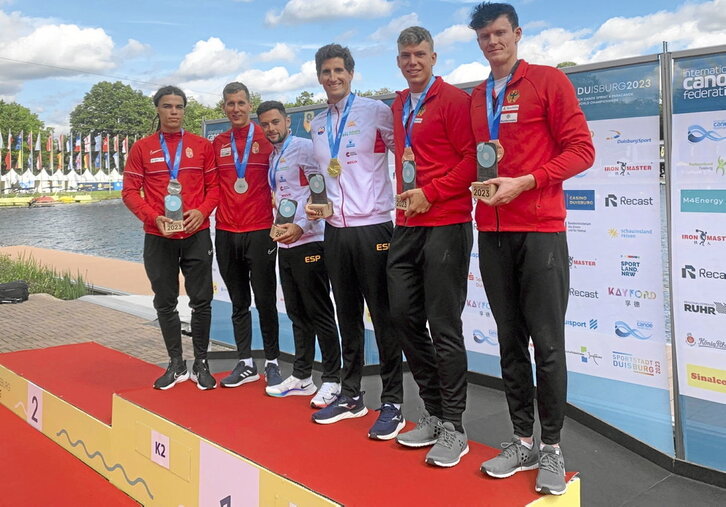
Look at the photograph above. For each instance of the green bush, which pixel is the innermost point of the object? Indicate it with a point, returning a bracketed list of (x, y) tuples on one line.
[(42, 279)]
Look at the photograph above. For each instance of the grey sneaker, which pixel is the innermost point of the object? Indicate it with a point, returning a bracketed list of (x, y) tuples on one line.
[(514, 458), (272, 374), (449, 448), (425, 433), (551, 475), (241, 375)]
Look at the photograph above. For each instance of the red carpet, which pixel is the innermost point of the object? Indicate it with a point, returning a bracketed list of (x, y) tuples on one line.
[(85, 375), (34, 470)]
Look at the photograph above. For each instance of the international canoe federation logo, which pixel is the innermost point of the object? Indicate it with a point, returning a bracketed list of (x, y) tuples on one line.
[(616, 134), (490, 339), (513, 96), (623, 330), (697, 133)]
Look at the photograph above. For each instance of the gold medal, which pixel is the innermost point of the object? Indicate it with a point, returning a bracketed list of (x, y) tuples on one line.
[(500, 149), (334, 167), (408, 155)]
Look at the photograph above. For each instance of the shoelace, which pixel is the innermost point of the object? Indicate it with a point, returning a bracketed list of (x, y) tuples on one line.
[(446, 438), (326, 390), (510, 449), (426, 420), (549, 461)]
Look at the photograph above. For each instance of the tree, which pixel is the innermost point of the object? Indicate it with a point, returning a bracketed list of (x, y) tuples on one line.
[(17, 118), (565, 64), (113, 108), (195, 113), (374, 93), (305, 98)]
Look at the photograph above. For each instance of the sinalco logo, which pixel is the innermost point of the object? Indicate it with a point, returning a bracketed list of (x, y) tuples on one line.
[(703, 238), (490, 338), (624, 330), (697, 133), (613, 201), (691, 272)]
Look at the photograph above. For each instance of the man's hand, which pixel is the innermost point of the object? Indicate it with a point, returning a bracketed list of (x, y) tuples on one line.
[(291, 235), (508, 189), (311, 213), (417, 202), (193, 219), (160, 221)]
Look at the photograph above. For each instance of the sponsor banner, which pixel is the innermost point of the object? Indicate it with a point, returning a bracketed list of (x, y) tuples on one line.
[(698, 232)]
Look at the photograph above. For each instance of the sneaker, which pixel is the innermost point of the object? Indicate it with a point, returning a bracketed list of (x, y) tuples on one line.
[(241, 374), (292, 386), (176, 372), (201, 375), (425, 433), (343, 407), (514, 458), (390, 421), (449, 448), (551, 475), (325, 395), (272, 374)]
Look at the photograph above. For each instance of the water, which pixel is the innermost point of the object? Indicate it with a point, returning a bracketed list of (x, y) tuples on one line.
[(103, 229)]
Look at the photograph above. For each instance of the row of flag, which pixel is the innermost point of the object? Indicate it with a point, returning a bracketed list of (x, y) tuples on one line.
[(78, 150)]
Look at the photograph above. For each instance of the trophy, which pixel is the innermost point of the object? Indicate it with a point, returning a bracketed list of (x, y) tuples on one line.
[(319, 203), (408, 175), (487, 157), (285, 215), (173, 208)]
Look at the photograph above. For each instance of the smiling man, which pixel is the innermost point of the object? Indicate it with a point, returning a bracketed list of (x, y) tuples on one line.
[(246, 254), (531, 112), (350, 142), (428, 262)]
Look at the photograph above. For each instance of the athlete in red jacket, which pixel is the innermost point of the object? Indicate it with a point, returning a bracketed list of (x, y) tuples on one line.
[(164, 165), (429, 256), (532, 111)]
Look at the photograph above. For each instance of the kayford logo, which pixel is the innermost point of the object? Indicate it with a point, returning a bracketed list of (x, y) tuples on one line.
[(623, 168), (624, 330), (703, 201), (639, 365), (624, 292), (613, 201), (704, 377), (586, 356), (578, 227), (697, 133), (629, 265), (580, 200), (704, 308), (585, 294), (576, 262), (513, 96), (490, 337), (706, 343), (628, 233), (482, 306), (703, 238), (691, 272)]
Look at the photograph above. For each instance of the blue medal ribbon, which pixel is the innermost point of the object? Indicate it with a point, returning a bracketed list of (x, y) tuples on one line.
[(273, 167), (334, 144), (173, 168), (242, 166), (494, 111), (408, 128)]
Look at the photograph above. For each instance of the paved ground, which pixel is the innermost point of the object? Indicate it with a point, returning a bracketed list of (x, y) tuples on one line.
[(44, 321)]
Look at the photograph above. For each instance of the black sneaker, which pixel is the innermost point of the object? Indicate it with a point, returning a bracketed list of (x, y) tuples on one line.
[(176, 372), (201, 375)]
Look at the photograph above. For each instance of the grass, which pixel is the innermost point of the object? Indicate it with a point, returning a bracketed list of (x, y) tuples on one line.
[(42, 279)]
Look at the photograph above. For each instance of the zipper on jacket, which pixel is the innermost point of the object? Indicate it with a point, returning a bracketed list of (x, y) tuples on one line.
[(499, 236)]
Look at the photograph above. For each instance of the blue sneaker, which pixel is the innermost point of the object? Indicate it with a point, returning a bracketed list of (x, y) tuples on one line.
[(272, 374), (343, 407), (390, 421)]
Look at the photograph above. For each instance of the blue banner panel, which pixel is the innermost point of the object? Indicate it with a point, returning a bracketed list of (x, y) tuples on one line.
[(699, 84)]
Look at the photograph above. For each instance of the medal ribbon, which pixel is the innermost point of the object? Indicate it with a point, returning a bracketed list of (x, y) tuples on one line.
[(407, 111), (173, 168), (273, 167), (334, 144), (494, 111), (242, 166)]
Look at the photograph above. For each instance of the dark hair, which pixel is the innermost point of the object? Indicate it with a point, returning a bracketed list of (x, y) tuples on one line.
[(169, 90), (334, 51), (415, 35), (487, 12), (235, 87), (269, 106)]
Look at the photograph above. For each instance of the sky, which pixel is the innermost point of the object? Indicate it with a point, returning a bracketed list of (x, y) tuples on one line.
[(52, 53)]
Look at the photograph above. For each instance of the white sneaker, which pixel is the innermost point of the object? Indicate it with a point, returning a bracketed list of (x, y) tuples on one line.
[(325, 395), (292, 386)]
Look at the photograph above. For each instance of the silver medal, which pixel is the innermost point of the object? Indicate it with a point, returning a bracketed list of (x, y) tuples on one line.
[(174, 187), (241, 186)]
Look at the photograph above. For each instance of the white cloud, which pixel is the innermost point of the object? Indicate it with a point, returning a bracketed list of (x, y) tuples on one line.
[(133, 49), (453, 35), (392, 29), (280, 51), (309, 11), (467, 72), (210, 58), (278, 79)]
